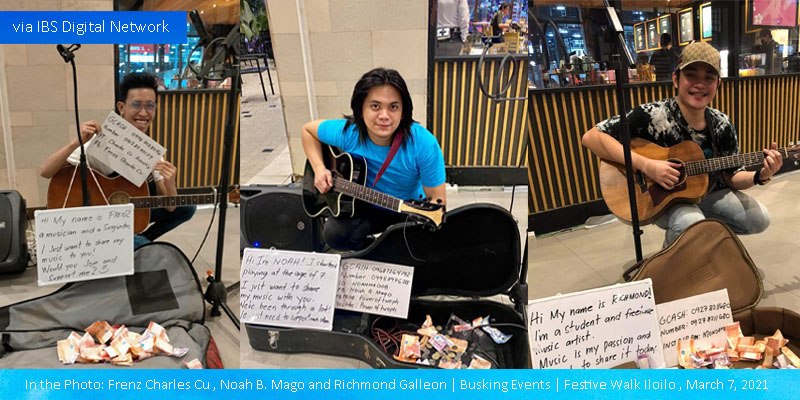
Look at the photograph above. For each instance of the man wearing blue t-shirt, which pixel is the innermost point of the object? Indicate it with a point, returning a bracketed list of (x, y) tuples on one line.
[(382, 108)]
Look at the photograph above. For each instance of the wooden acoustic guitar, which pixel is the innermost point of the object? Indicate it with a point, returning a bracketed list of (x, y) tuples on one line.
[(651, 198), (119, 190), (349, 183)]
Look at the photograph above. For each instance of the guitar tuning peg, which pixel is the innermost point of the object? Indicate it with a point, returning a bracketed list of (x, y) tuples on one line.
[(439, 201)]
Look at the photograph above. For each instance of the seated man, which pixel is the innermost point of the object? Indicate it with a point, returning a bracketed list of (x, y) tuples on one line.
[(137, 105), (688, 117), (382, 108)]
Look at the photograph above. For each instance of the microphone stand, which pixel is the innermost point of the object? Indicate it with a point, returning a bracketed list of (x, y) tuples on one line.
[(623, 60), (67, 53), (227, 53)]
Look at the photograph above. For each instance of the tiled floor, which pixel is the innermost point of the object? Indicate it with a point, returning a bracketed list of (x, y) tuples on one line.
[(268, 128), (588, 258)]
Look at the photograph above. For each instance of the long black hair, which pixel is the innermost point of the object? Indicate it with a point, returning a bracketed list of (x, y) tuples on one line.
[(374, 78)]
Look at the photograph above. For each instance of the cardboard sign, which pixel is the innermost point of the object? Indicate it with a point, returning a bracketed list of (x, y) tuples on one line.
[(374, 288), (84, 243), (598, 328), (288, 288), (702, 317), (123, 148)]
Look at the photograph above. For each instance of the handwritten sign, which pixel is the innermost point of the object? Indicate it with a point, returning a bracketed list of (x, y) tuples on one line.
[(84, 243), (598, 328), (288, 288), (374, 288), (702, 317), (123, 148)]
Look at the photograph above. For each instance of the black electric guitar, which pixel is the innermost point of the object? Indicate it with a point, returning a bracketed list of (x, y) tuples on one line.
[(349, 180)]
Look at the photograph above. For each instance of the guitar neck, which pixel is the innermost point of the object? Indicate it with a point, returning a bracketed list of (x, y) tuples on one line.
[(173, 201), (364, 193), (700, 167)]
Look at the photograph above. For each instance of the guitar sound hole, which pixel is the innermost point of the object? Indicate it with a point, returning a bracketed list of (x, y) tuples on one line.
[(681, 169), (119, 198)]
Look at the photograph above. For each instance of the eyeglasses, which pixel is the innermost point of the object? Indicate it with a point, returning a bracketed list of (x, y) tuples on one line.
[(137, 105)]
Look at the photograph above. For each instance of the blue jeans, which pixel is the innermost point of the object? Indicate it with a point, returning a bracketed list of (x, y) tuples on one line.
[(163, 221), (742, 213)]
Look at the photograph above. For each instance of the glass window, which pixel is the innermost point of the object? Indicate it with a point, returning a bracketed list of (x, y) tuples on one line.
[(572, 43), (512, 21), (770, 42), (170, 61)]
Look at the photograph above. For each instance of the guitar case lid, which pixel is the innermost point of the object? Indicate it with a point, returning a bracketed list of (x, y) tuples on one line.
[(706, 257), (476, 252)]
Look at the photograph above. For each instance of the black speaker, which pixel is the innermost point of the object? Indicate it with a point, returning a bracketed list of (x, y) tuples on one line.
[(273, 216), (13, 246)]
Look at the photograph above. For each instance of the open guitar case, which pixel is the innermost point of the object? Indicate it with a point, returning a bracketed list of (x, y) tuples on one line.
[(164, 288), (708, 257), (475, 254)]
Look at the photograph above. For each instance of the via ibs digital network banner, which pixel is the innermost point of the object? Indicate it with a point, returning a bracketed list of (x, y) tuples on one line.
[(92, 27)]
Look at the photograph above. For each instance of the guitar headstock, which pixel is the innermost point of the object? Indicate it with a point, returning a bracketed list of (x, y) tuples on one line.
[(793, 152), (425, 211), (234, 196)]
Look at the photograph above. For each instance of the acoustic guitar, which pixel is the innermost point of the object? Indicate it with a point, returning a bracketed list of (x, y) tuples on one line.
[(119, 190), (349, 183), (651, 198)]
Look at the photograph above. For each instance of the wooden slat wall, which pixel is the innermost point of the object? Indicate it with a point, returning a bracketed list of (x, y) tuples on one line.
[(473, 130), (563, 173), (191, 125)]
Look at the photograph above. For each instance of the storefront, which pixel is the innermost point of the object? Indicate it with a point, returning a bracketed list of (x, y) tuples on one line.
[(482, 137), (572, 85)]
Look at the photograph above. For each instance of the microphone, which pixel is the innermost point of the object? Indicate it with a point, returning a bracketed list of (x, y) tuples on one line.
[(67, 52)]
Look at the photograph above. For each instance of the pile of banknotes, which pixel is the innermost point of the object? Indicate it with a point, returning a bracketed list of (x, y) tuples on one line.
[(770, 352), (118, 345), (432, 347)]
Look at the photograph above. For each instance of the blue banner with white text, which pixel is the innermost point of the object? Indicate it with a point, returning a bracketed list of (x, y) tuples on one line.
[(372, 384), (92, 27)]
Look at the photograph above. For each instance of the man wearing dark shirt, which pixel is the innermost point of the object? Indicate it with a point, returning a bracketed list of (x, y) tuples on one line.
[(498, 27), (665, 59), (688, 117)]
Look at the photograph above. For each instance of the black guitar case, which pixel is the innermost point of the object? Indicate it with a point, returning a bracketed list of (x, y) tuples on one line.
[(474, 255), (164, 288)]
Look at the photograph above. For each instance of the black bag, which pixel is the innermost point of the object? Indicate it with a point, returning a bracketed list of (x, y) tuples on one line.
[(13, 246), (475, 254), (164, 288)]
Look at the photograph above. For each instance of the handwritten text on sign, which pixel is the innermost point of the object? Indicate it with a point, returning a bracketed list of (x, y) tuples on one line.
[(123, 148), (598, 328), (288, 288), (702, 317), (84, 243), (375, 288)]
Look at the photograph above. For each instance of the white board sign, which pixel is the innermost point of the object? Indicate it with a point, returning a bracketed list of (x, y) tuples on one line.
[(123, 148), (288, 288), (84, 243), (598, 328), (375, 288), (702, 317)]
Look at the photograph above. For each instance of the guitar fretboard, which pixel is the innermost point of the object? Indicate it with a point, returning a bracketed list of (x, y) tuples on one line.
[(173, 201), (734, 161), (366, 194)]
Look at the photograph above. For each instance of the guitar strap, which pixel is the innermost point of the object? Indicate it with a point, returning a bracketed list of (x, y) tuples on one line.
[(398, 138)]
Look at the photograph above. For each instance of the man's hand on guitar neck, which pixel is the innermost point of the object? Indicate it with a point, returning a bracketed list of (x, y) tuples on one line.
[(664, 173), (773, 161)]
